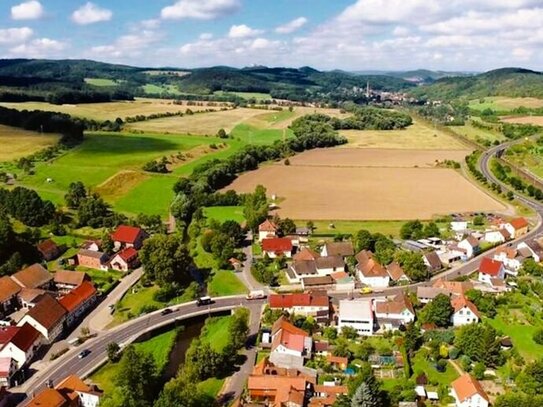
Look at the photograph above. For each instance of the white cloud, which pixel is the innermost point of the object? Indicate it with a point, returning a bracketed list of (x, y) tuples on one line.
[(90, 13), (15, 35), (291, 26), (243, 31), (400, 31), (29, 10), (523, 54), (199, 9), (263, 43), (205, 36), (150, 24), (128, 46), (39, 48)]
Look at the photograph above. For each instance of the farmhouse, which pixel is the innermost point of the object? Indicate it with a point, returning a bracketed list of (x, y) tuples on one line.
[(396, 273), (47, 317), (49, 250), (8, 295), (290, 345), (533, 249), (432, 261), (78, 301), (470, 245), (277, 247), (126, 259), (315, 304), (34, 276), (128, 236), (66, 280), (395, 312), (369, 271), (357, 314), (490, 269), (465, 312), (343, 249), (266, 230), (19, 343), (92, 259), (496, 236), (467, 392), (516, 227)]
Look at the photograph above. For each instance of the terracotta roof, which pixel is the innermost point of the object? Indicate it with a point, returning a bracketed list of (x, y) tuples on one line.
[(395, 271), (490, 266), (282, 389), (49, 398), (306, 254), (282, 323), (340, 275), (298, 300), (8, 288), (505, 233), (329, 262), (433, 260), (369, 266), (25, 337), (319, 388), (455, 287), (75, 298), (70, 277), (462, 302), (33, 276), (47, 312), (318, 280), (510, 252), (277, 245), (47, 248), (126, 234), (30, 294), (339, 249), (321, 346), (395, 306), (267, 226), (73, 383), (128, 254), (337, 360), (467, 386), (288, 335), (519, 223), (431, 292), (472, 241)]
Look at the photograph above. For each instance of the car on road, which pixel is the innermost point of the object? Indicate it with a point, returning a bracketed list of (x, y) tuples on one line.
[(166, 311), (204, 301), (84, 353), (366, 290), (256, 295)]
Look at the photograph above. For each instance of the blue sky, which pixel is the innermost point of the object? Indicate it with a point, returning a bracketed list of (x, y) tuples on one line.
[(326, 34)]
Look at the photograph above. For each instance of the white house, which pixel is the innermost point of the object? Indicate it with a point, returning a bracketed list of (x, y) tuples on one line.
[(89, 396), (509, 257), (468, 392), (370, 272), (391, 314), (516, 227), (277, 247), (290, 345), (396, 273), (267, 229), (494, 236), (459, 226), (316, 304), (470, 245), (465, 312), (357, 314), (490, 269), (534, 248), (19, 343), (47, 317)]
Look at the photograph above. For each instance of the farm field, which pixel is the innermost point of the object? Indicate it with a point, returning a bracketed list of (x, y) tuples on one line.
[(101, 82), (477, 135), (110, 110), (366, 193), (393, 158), (245, 95), (535, 120), (502, 103), (420, 135), (17, 143), (154, 89)]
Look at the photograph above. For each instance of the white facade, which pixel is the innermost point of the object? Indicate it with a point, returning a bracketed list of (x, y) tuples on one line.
[(19, 356), (512, 264), (466, 245), (406, 316), (535, 255), (464, 316), (485, 278), (459, 226), (265, 235), (357, 314), (494, 236), (88, 399), (273, 255), (51, 334), (374, 282), (474, 401)]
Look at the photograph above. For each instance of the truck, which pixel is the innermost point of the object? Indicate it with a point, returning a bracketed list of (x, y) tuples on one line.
[(256, 295)]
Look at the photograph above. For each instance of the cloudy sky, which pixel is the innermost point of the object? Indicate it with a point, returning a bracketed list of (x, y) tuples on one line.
[(326, 34)]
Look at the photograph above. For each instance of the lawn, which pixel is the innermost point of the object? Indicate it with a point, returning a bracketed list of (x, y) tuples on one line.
[(473, 133), (521, 336), (504, 104), (245, 95), (254, 135), (151, 89), (225, 282), (103, 280), (17, 143), (421, 364), (211, 386), (101, 82), (216, 332), (224, 213), (159, 346)]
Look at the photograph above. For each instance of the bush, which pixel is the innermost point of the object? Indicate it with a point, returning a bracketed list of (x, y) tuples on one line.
[(147, 308), (538, 336)]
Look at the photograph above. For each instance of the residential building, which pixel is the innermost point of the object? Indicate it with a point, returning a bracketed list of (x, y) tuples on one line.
[(471, 246), (325, 395), (495, 236), (266, 230), (468, 392), (392, 313), (369, 271), (455, 288), (320, 266), (8, 295), (34, 276), (432, 261), (516, 227), (19, 343), (277, 247), (93, 259), (128, 236), (78, 301), (305, 253), (67, 280), (7, 370), (510, 257), (47, 317), (426, 294), (459, 226), (315, 304), (465, 312), (71, 391), (343, 281), (92, 245), (29, 297), (125, 260), (49, 250), (277, 391), (357, 314), (343, 249), (489, 269), (396, 273), (290, 345), (533, 249)]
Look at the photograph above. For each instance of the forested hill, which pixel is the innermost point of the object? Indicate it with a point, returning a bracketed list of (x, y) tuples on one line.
[(513, 82)]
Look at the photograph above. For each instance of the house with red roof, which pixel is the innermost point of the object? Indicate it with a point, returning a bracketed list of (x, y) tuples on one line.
[(72, 391), (19, 343), (47, 316), (7, 369), (128, 236), (392, 313), (290, 345), (465, 312), (369, 271), (277, 247), (78, 301), (491, 269), (49, 250), (126, 259), (315, 304), (93, 259), (9, 290), (468, 392), (516, 227), (266, 230)]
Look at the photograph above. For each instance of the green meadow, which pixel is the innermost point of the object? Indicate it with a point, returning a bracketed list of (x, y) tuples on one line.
[(224, 213), (101, 82), (245, 95)]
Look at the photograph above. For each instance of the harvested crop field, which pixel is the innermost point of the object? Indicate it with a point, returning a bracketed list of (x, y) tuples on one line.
[(353, 184), (503, 103), (420, 135), (536, 120), (17, 143), (392, 158)]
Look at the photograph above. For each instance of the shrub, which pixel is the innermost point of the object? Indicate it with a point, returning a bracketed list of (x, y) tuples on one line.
[(538, 336)]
